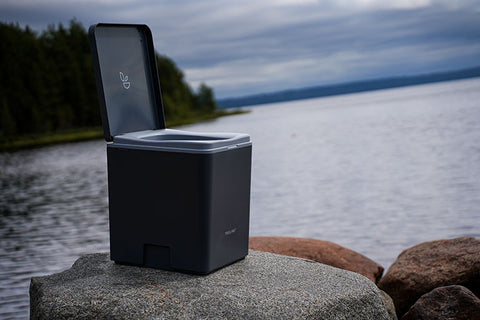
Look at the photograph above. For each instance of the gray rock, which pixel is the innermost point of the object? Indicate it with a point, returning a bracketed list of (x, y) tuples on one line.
[(262, 286), (389, 305)]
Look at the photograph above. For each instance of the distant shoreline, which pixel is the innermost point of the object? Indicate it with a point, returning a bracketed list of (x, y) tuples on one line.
[(83, 134), (344, 88)]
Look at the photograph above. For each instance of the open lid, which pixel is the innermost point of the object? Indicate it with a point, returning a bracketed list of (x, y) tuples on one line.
[(127, 78)]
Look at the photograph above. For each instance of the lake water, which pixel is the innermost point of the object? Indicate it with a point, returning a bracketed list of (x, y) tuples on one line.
[(376, 172)]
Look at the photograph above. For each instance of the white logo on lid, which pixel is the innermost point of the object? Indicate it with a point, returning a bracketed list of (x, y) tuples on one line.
[(125, 82), (230, 232)]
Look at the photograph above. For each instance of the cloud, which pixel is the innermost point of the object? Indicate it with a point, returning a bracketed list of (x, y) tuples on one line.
[(343, 46), (254, 46)]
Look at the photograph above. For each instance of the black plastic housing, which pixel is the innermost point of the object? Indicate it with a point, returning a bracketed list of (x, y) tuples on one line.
[(178, 200), (179, 211)]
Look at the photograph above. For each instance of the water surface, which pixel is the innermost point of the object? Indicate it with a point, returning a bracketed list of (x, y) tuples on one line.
[(376, 172)]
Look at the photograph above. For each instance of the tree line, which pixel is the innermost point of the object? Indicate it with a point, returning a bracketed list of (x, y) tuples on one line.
[(47, 84)]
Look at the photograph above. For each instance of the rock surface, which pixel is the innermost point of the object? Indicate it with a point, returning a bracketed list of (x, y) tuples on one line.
[(325, 252), (445, 303), (389, 305), (429, 265), (262, 286)]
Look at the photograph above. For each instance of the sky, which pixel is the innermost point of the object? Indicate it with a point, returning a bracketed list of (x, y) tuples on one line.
[(254, 46)]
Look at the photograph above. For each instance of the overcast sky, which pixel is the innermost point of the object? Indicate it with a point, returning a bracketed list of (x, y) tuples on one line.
[(254, 46)]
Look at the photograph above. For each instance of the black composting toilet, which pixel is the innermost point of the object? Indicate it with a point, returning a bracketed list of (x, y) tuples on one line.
[(178, 200)]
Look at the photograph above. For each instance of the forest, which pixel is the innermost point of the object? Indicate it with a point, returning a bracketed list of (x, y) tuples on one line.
[(47, 84)]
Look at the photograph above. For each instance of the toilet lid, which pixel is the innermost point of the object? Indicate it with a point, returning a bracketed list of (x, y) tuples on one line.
[(127, 78)]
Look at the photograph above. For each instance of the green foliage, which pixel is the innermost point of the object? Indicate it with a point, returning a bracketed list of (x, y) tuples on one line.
[(205, 100), (179, 101), (48, 86), (176, 94)]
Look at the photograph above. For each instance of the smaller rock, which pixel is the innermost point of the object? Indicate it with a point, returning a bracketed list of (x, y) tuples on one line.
[(426, 266), (445, 303), (325, 252)]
